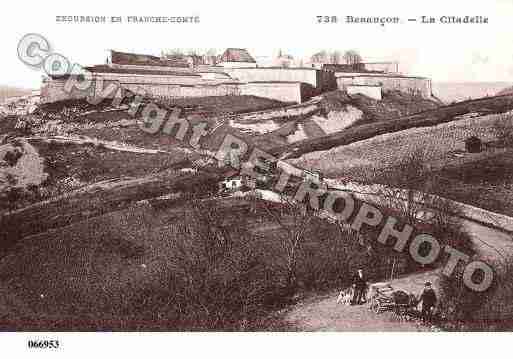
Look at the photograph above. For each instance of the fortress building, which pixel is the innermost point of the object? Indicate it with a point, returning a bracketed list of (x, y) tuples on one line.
[(235, 72), (375, 78)]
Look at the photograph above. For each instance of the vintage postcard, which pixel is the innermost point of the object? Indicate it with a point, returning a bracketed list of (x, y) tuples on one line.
[(214, 167)]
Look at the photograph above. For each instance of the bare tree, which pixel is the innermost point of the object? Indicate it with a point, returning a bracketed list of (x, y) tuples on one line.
[(410, 188), (295, 222), (175, 52), (284, 60), (352, 57), (336, 57), (193, 52), (211, 52), (503, 127), (320, 57), (400, 184), (213, 256)]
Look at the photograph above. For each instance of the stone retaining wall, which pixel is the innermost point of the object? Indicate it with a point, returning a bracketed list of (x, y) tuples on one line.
[(417, 86), (53, 90)]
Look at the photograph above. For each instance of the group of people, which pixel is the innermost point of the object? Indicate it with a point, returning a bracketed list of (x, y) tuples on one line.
[(427, 297)]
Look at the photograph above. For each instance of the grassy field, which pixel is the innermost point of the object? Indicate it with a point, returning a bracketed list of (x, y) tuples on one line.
[(102, 197), (439, 142), (480, 179), (110, 256), (332, 113), (110, 272), (134, 268), (217, 105), (77, 117), (486, 182), (92, 164), (430, 118)]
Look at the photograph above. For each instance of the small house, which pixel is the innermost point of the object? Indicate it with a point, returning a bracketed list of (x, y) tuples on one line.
[(232, 182), (312, 176), (473, 144)]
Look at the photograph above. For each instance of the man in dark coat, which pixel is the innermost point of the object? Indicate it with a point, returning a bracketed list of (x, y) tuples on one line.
[(360, 286), (428, 298)]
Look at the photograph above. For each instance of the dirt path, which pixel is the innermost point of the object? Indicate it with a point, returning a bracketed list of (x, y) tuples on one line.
[(322, 313), (84, 140)]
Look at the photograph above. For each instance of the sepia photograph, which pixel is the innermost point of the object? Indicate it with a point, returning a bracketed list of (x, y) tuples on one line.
[(234, 170)]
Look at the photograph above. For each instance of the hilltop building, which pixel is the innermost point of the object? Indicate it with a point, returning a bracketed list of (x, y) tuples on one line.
[(235, 72), (374, 78), (237, 58)]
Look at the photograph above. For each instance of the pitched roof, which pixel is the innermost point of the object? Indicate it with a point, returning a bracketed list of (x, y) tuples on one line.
[(127, 58), (359, 67), (115, 70), (236, 55)]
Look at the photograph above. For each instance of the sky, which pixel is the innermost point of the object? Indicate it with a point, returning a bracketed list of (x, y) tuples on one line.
[(443, 52)]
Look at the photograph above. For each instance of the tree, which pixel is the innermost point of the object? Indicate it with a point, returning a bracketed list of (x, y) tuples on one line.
[(352, 57), (503, 127), (409, 189), (336, 57), (175, 52), (399, 185), (220, 276), (211, 52), (295, 222), (320, 57), (193, 52), (13, 195), (284, 60), (12, 157)]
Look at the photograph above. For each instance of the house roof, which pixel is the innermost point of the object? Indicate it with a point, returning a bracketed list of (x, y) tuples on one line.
[(127, 58), (381, 75), (231, 174), (344, 67), (237, 55), (115, 70)]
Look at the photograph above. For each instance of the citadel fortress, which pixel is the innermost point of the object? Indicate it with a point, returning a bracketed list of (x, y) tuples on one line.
[(235, 72)]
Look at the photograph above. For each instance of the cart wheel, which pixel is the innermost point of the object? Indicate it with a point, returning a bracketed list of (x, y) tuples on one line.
[(372, 304), (375, 308)]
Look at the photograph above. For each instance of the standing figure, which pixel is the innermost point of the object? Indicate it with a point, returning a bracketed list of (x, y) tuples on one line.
[(360, 286), (428, 298)]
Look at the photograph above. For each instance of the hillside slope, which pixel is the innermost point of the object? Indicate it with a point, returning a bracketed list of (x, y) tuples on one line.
[(506, 91), (10, 91), (328, 114), (497, 104)]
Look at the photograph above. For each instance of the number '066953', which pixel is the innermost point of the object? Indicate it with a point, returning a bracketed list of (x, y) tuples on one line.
[(43, 344)]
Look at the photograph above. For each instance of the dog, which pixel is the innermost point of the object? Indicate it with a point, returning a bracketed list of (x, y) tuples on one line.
[(345, 296)]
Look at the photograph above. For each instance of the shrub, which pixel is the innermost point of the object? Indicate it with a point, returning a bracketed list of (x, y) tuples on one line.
[(458, 304), (221, 278), (504, 130), (12, 157), (12, 197)]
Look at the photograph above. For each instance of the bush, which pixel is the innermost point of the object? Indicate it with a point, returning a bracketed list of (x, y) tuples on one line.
[(458, 305), (221, 278), (504, 130), (9, 235), (12, 197), (12, 157)]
